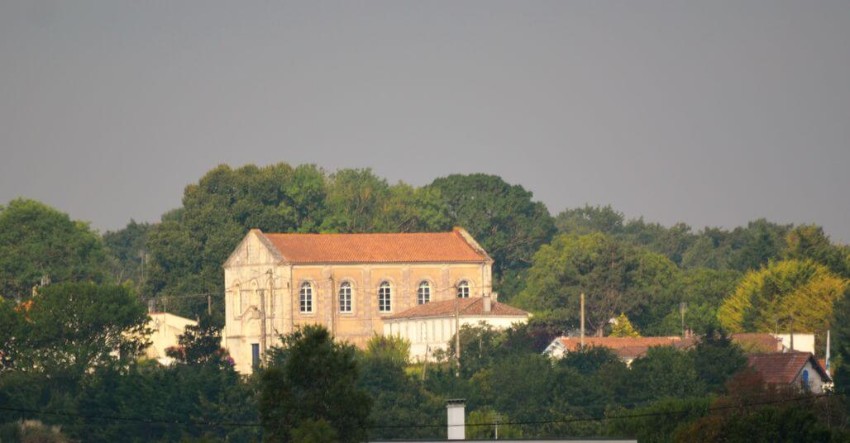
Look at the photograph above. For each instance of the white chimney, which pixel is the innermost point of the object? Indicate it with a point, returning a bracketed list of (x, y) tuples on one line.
[(487, 303), (456, 414)]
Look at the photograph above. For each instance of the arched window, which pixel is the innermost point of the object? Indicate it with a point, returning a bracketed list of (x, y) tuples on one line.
[(463, 289), (385, 297), (306, 297), (345, 297), (423, 294)]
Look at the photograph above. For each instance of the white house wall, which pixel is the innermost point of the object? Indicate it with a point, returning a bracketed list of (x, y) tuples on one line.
[(427, 335)]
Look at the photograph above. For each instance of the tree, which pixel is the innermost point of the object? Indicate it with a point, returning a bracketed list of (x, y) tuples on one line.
[(757, 244), (77, 327), (479, 345), (663, 372), (187, 249), (488, 424), (310, 377), (810, 242), (622, 327), (658, 420), (398, 400), (615, 277), (717, 359), (841, 342), (355, 201), (506, 221), (590, 219), (37, 241), (201, 344), (10, 321), (127, 253), (787, 291)]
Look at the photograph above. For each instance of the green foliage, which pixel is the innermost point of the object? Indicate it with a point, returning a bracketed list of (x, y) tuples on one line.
[(536, 334), (488, 424), (32, 431), (200, 344), (314, 431), (37, 241), (841, 344), (516, 384), (757, 244), (787, 291), (188, 248), (590, 219), (506, 221), (311, 377), (355, 199), (77, 327), (590, 360), (788, 419), (398, 400), (716, 359), (657, 421), (478, 348), (127, 253), (703, 291), (810, 242), (616, 278), (664, 372), (394, 349), (622, 327), (10, 321)]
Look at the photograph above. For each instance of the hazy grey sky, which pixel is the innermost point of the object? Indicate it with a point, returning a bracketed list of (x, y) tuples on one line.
[(712, 113)]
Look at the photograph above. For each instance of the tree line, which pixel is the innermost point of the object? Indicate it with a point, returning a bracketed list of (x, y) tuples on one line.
[(67, 289), (83, 381), (761, 277)]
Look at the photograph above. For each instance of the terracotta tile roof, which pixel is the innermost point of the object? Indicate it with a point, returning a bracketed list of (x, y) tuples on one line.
[(782, 368), (466, 307), (625, 347), (378, 248)]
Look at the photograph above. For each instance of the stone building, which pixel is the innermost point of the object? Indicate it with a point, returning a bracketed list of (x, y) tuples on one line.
[(348, 283)]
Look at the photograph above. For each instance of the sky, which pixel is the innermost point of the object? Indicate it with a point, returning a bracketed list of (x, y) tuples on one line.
[(708, 113)]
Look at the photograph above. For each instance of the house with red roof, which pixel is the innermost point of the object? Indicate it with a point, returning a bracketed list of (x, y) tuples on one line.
[(429, 327), (626, 348), (349, 283), (797, 370)]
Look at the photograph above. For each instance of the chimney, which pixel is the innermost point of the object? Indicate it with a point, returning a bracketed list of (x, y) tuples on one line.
[(456, 414), (488, 304)]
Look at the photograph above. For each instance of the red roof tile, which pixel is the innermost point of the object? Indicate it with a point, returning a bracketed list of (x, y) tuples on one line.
[(465, 307), (625, 347), (378, 248), (783, 368)]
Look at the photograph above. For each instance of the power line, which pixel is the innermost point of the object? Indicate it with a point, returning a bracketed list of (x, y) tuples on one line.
[(121, 418), (810, 397)]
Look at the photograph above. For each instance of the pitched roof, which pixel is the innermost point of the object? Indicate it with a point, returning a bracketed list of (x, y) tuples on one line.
[(782, 368), (625, 347), (466, 307), (456, 246)]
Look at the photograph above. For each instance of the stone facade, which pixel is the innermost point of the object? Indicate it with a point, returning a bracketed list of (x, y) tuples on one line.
[(270, 277)]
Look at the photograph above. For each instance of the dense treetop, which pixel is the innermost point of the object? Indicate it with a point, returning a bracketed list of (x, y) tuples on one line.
[(661, 278)]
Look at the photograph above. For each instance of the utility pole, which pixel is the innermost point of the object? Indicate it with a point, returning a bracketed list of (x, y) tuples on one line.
[(582, 321), (457, 336)]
